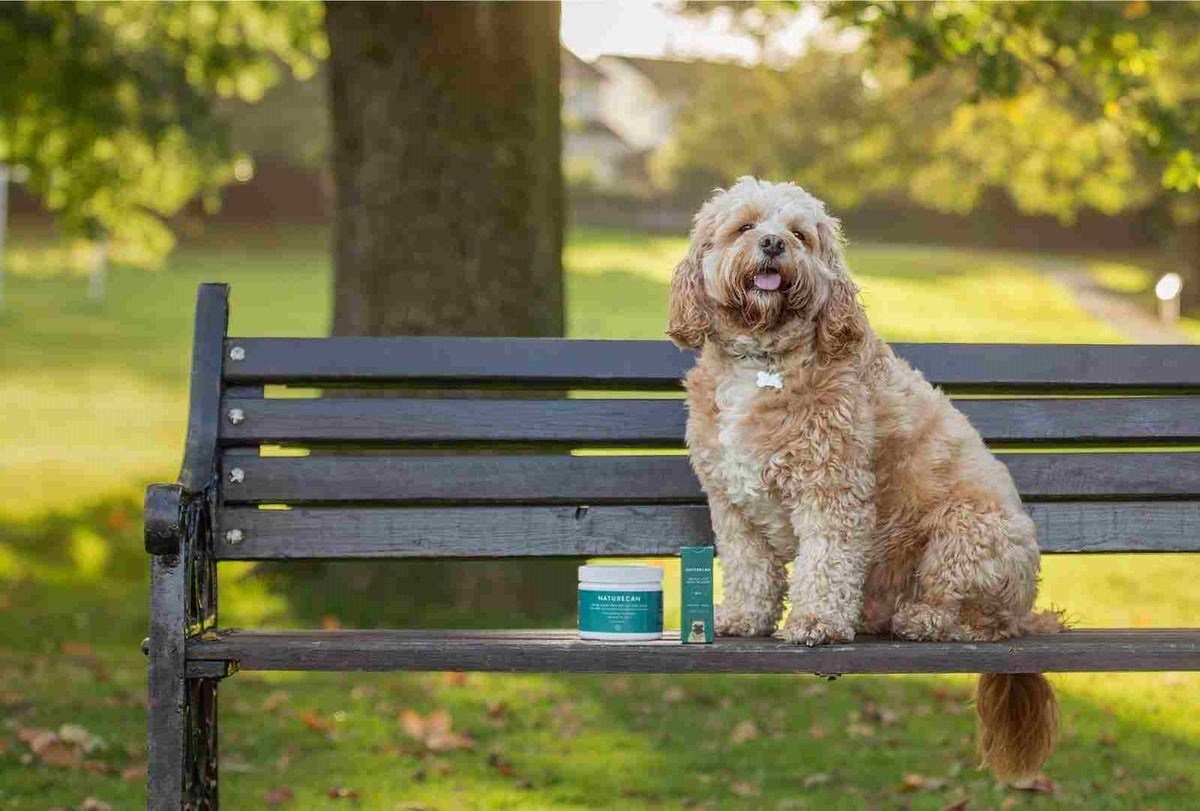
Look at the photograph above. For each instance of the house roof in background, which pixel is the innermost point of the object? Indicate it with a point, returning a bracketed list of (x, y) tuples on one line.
[(585, 68), (673, 76), (596, 127)]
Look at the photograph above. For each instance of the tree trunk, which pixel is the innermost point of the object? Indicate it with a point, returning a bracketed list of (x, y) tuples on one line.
[(446, 158), (450, 212)]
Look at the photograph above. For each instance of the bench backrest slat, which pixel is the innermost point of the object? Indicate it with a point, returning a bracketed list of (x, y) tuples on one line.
[(1143, 420), (563, 479), (466, 362), (626, 530)]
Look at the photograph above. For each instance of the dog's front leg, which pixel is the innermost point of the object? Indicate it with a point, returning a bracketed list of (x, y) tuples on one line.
[(833, 529), (753, 578)]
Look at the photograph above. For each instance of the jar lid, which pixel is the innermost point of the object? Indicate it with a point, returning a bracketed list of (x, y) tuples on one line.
[(621, 574)]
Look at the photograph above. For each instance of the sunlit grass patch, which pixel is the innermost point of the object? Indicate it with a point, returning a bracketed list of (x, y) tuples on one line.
[(1121, 278)]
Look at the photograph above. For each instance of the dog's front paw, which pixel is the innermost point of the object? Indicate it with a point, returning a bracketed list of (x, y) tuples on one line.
[(731, 622), (810, 629)]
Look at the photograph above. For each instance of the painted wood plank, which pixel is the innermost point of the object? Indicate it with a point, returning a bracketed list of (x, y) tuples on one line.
[(548, 651), (658, 364), (661, 422), (616, 531), (545, 479)]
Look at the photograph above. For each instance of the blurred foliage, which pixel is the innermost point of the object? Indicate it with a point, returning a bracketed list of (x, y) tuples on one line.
[(1076, 104), (1063, 105), (111, 106)]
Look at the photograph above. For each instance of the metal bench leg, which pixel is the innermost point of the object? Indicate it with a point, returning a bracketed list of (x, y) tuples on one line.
[(182, 725), (182, 767)]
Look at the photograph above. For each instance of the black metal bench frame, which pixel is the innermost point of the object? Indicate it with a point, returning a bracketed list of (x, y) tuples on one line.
[(1129, 497)]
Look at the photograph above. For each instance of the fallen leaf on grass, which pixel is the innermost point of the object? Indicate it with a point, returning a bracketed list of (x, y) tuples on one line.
[(434, 731), (98, 767), (316, 722), (814, 690), (454, 678), (342, 793), (818, 779), (743, 789), (1040, 784), (92, 804), (497, 762), (860, 731), (279, 796), (817, 732), (330, 623), (745, 731), (1009, 804), (497, 712), (673, 695), (919, 782), (961, 805), (77, 735), (276, 700), (76, 649), (134, 774)]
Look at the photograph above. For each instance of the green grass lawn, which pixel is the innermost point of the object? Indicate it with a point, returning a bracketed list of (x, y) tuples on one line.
[(92, 406)]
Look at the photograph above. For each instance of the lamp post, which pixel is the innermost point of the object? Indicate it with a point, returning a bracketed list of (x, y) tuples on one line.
[(1167, 291)]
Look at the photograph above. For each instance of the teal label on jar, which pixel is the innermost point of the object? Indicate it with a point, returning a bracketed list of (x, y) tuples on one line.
[(621, 612)]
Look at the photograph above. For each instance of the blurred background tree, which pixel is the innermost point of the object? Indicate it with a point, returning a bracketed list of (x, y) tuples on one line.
[(1074, 105), (1065, 107), (110, 107)]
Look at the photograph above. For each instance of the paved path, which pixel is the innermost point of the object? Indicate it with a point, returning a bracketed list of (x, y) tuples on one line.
[(1124, 316)]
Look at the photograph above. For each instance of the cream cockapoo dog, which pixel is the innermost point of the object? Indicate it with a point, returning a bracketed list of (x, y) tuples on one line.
[(818, 446)]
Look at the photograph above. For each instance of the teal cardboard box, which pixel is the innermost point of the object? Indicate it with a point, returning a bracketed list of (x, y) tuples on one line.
[(696, 603)]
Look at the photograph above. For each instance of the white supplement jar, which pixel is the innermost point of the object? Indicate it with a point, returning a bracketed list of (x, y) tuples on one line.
[(620, 603)]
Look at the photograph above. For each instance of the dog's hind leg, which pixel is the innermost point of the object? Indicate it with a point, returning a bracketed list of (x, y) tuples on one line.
[(753, 575), (976, 580)]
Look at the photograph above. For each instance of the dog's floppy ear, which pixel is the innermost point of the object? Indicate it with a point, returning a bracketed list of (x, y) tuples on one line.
[(841, 323), (689, 322)]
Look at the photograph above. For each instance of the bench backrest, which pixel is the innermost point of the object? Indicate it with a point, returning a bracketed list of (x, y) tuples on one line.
[(505, 447)]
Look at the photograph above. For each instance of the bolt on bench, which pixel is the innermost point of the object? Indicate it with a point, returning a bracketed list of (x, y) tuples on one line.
[(453, 500)]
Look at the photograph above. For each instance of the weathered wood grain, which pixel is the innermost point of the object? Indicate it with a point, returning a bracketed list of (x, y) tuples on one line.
[(658, 364), (548, 651), (661, 422), (619, 531), (545, 479)]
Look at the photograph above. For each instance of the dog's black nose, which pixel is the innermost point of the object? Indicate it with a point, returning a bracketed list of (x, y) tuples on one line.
[(771, 245)]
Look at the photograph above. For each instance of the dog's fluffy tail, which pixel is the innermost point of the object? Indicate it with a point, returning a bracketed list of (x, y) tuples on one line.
[(1018, 722)]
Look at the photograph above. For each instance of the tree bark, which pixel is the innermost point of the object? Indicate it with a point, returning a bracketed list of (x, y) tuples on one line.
[(446, 159), (450, 212)]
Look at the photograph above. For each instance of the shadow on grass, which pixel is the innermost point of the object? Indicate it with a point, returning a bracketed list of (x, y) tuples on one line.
[(692, 741)]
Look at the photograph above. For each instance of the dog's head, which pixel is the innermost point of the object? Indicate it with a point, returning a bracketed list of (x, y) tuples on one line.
[(765, 258), (697, 626)]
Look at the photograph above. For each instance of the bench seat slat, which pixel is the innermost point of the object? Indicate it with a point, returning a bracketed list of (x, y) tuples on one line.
[(562, 651), (616, 531), (545, 479), (658, 364), (661, 422)]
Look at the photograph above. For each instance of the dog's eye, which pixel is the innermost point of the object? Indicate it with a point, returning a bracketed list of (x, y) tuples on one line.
[(800, 236), (745, 228)]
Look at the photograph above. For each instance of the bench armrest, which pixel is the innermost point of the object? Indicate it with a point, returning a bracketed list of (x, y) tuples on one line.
[(164, 519)]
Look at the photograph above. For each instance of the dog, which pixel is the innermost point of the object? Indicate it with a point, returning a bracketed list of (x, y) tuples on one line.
[(697, 633), (817, 446)]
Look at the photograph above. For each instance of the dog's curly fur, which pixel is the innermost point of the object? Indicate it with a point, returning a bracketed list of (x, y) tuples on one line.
[(896, 516)]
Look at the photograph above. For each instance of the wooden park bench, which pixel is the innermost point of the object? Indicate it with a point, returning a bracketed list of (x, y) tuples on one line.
[(445, 488)]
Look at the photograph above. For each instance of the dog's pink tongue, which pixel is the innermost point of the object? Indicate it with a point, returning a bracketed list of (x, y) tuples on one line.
[(767, 281)]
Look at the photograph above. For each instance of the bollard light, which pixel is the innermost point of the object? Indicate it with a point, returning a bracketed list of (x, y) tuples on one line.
[(1167, 290)]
